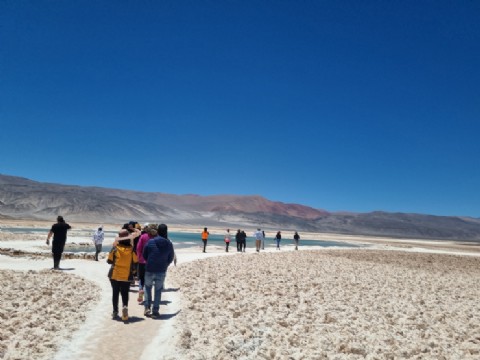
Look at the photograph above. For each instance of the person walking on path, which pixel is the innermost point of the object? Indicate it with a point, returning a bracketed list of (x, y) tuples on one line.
[(98, 237), (158, 254), (296, 239), (227, 240), (150, 233), (205, 234), (258, 239), (278, 238), (123, 260), (59, 233)]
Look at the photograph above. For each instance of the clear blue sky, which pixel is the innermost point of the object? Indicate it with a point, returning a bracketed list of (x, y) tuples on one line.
[(339, 105)]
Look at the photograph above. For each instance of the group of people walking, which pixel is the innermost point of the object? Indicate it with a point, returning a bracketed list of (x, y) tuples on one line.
[(146, 255), (241, 239)]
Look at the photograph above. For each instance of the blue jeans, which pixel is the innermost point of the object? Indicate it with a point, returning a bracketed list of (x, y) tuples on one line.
[(152, 279)]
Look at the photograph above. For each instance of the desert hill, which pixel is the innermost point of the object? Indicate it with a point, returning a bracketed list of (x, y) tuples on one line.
[(28, 199)]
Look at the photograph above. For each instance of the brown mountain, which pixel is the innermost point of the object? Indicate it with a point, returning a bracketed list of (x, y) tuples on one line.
[(28, 199)]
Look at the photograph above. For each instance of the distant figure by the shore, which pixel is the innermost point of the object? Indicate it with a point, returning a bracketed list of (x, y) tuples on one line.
[(227, 240), (98, 237), (258, 239), (59, 233), (278, 238), (205, 234), (296, 239)]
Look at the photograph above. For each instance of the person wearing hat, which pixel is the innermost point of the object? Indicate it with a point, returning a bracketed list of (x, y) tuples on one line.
[(98, 237), (59, 233)]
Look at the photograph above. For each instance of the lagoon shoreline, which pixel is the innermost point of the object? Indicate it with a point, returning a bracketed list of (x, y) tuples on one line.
[(398, 298)]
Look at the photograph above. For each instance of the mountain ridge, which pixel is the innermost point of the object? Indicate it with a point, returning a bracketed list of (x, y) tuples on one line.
[(24, 198)]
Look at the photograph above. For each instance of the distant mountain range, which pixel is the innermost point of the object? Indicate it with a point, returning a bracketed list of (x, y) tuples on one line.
[(22, 198)]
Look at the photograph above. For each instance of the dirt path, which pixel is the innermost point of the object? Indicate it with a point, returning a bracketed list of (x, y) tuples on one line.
[(100, 337)]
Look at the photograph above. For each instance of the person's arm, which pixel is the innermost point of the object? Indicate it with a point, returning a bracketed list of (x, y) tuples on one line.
[(130, 237), (50, 233)]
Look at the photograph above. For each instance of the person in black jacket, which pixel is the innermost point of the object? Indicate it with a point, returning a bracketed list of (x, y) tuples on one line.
[(59, 232)]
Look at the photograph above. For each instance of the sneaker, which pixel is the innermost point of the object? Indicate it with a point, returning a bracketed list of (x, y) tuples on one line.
[(140, 296), (115, 315), (125, 313), (155, 315), (147, 312)]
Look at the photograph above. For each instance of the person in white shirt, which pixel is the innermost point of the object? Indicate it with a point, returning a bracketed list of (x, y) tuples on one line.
[(227, 239), (258, 235), (98, 237)]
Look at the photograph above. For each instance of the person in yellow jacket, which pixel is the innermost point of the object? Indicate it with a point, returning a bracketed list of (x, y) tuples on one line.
[(123, 259)]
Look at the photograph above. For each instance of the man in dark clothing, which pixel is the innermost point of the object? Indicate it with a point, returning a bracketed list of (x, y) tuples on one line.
[(158, 254), (59, 233)]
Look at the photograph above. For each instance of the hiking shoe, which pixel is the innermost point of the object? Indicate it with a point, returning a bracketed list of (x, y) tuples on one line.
[(140, 296), (147, 312), (125, 313), (115, 315), (155, 315)]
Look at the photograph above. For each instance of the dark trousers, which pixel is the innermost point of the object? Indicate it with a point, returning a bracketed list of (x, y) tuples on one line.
[(204, 245), (243, 245), (141, 275), (227, 244), (56, 259), (98, 250), (119, 287), (239, 246)]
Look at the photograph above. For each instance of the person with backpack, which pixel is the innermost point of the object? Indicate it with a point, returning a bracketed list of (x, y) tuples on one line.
[(149, 233), (158, 255), (122, 259)]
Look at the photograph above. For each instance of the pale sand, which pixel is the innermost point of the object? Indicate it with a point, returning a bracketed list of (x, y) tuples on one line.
[(332, 304)]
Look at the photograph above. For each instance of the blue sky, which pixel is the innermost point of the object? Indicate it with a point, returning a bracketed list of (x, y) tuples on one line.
[(339, 105)]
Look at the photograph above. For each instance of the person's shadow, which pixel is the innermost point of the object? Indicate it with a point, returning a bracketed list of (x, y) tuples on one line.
[(64, 269), (131, 319), (171, 290), (166, 316)]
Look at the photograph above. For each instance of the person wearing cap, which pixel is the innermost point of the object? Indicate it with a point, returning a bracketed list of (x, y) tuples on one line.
[(258, 235), (59, 233), (98, 237), (158, 255)]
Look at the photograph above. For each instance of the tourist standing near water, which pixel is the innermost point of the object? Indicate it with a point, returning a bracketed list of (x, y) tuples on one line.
[(296, 239), (258, 239), (98, 237), (227, 239), (59, 233), (238, 240), (205, 234), (278, 238), (263, 240), (243, 243)]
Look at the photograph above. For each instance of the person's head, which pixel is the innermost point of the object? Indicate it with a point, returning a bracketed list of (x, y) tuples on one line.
[(205, 229), (163, 231), (60, 219), (228, 230), (258, 229), (131, 225), (123, 233), (100, 228)]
